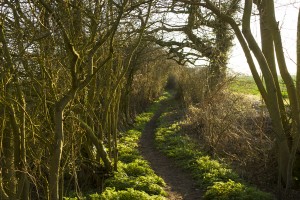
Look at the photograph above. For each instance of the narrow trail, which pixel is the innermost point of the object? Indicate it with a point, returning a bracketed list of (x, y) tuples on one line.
[(180, 184)]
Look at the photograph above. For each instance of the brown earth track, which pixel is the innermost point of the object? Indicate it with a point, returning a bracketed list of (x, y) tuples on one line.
[(180, 184)]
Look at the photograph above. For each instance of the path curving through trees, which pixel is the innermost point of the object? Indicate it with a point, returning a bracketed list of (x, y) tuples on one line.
[(180, 184)]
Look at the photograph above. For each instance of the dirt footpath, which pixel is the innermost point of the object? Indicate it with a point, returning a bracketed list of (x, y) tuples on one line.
[(180, 184)]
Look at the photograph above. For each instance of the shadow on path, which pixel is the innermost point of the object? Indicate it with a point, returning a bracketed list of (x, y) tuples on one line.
[(180, 184)]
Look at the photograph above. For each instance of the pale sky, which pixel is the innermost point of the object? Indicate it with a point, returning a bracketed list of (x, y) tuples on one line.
[(287, 15)]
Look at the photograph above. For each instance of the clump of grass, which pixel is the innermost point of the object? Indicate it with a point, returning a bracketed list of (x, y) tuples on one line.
[(219, 181)]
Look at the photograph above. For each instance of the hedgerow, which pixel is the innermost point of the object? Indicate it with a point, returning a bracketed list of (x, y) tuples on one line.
[(217, 179)]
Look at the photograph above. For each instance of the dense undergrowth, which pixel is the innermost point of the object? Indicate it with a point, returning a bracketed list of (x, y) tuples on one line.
[(134, 179), (213, 176)]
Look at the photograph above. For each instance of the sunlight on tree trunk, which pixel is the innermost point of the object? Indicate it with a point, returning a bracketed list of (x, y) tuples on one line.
[(271, 92)]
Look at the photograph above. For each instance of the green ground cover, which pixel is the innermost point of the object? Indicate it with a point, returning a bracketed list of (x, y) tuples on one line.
[(217, 179), (134, 179)]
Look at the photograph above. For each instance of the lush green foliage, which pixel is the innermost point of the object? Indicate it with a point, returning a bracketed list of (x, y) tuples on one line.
[(219, 181)]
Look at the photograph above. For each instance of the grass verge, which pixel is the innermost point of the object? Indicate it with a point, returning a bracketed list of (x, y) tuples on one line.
[(217, 180)]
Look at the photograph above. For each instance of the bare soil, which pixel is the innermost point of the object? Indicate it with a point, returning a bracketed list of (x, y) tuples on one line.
[(180, 184)]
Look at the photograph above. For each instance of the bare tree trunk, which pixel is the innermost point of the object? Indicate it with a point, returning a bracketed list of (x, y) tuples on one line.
[(269, 92), (56, 155), (291, 90), (298, 59), (54, 170), (4, 152), (267, 44), (98, 144), (12, 145), (272, 100), (3, 194), (9, 176)]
